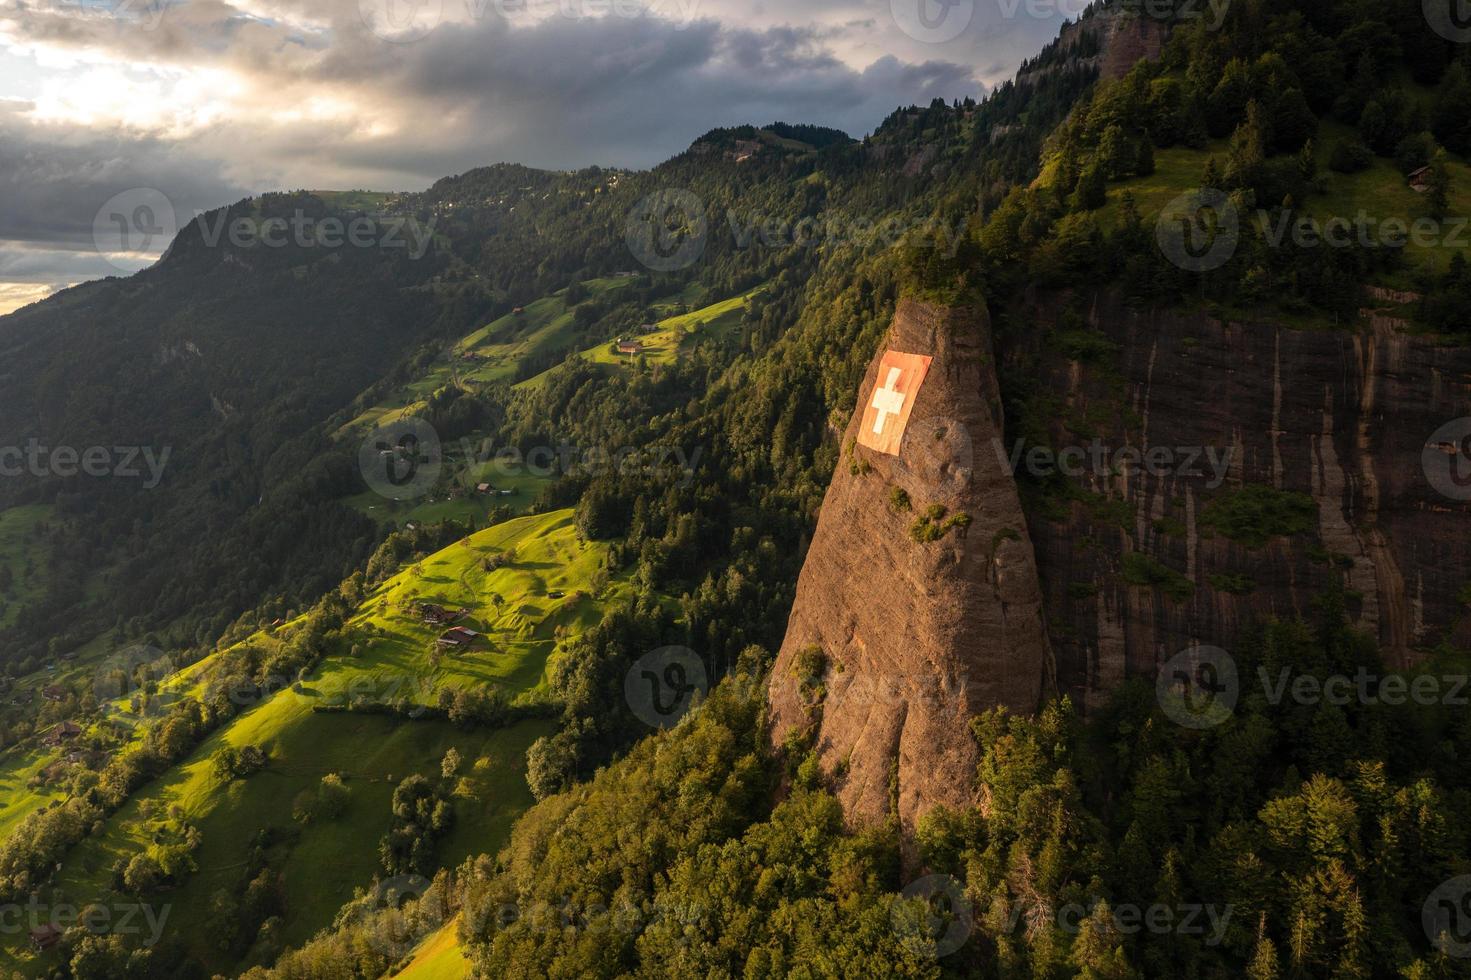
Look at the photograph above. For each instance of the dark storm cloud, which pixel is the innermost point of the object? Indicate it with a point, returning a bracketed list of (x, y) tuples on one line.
[(53, 181), (562, 92)]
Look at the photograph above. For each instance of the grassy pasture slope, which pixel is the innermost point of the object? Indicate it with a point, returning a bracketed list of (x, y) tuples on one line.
[(372, 752), (438, 957), (545, 325), (17, 799), (502, 474), (1380, 192), (24, 556), (664, 344)]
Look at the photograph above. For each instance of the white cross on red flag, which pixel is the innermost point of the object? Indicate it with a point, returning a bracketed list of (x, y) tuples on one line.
[(888, 405)]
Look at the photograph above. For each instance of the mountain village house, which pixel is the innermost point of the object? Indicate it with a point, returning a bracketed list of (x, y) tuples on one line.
[(64, 732), (458, 638), (44, 938), (434, 615)]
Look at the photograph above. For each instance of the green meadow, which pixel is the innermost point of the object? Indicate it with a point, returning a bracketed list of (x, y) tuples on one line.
[(24, 562), (470, 506), (438, 957), (525, 585), (672, 336), (1381, 192), (490, 354)]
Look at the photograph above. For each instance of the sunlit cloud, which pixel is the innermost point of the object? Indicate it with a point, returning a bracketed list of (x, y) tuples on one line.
[(14, 295)]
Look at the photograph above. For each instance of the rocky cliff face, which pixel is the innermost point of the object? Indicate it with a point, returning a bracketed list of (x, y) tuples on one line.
[(895, 643), (1341, 417)]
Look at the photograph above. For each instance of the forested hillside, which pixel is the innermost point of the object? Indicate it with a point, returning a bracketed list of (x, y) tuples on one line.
[(323, 785)]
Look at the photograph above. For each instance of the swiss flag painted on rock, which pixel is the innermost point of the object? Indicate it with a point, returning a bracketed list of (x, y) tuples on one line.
[(888, 404)]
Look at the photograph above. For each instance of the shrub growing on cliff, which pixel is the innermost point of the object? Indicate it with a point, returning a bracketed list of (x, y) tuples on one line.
[(1142, 570), (933, 525), (809, 668), (1257, 513)]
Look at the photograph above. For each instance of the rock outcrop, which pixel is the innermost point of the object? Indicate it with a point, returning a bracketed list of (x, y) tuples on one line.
[(915, 637), (894, 643)]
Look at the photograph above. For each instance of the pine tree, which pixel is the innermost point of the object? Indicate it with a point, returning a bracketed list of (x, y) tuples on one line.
[(1438, 192), (1092, 190), (1212, 177), (1307, 161), (1450, 118), (1144, 166), (1263, 965)]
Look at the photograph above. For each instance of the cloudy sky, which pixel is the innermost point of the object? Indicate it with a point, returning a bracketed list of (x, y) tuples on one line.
[(107, 106)]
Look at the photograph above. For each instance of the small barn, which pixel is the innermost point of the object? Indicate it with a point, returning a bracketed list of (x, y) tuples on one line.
[(44, 938), (458, 638)]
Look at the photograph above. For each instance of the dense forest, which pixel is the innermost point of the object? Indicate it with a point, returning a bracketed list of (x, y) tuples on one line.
[(1292, 840)]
